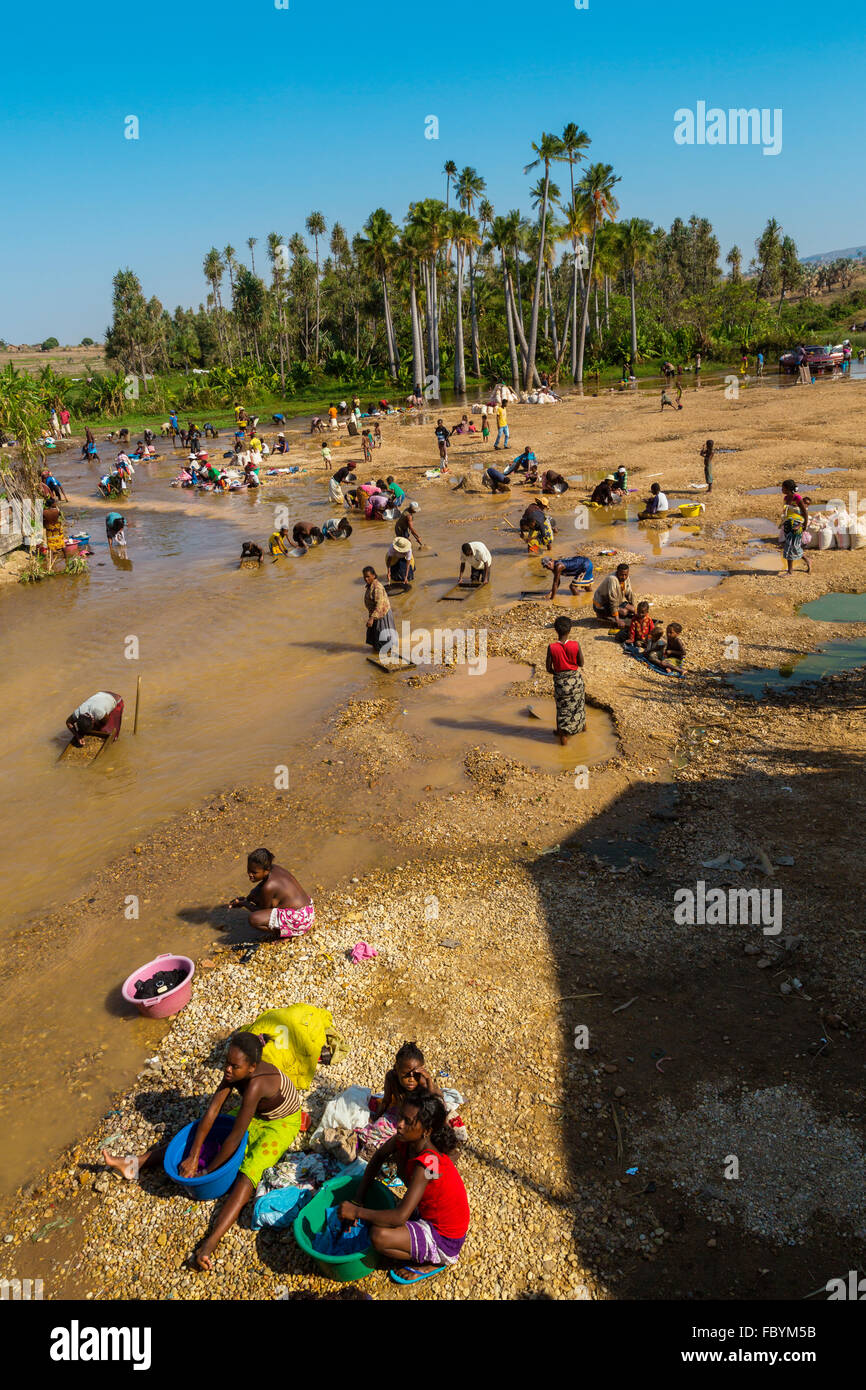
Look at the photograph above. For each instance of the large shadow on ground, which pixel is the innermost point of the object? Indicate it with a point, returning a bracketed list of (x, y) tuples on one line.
[(677, 1009)]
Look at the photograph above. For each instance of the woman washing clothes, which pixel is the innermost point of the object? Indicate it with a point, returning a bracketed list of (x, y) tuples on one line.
[(425, 1232), (269, 1114), (278, 905)]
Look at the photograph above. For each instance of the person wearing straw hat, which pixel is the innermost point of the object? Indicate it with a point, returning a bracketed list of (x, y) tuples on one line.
[(400, 562), (536, 527), (604, 493)]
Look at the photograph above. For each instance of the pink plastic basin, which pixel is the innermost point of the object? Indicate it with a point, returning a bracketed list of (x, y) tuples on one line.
[(164, 1005)]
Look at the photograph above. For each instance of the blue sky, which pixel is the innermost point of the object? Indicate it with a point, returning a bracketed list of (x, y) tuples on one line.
[(252, 116)]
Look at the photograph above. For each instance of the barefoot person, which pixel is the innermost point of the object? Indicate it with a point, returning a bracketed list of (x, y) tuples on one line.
[(577, 567), (795, 518), (381, 628), (479, 559), (278, 905), (614, 601), (100, 715), (425, 1232), (707, 456), (269, 1114), (564, 662)]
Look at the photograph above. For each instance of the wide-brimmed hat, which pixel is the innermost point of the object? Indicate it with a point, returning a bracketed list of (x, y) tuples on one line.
[(413, 506), (610, 478), (402, 546), (542, 501)]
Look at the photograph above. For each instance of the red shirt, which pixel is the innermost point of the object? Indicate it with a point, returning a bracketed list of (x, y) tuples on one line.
[(444, 1202), (640, 628), (564, 655)]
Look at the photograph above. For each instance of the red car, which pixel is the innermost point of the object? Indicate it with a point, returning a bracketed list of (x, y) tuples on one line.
[(818, 359)]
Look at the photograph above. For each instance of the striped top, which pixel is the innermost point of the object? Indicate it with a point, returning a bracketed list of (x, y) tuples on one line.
[(288, 1104)]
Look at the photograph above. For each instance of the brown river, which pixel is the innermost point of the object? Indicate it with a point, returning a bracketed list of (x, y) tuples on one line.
[(240, 671)]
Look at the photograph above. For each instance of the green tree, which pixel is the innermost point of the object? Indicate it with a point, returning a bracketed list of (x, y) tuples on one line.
[(316, 227), (573, 143), (636, 243), (549, 147), (596, 191), (734, 259), (49, 344), (378, 247)]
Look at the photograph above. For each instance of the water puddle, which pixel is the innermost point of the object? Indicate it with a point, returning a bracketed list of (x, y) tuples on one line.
[(646, 580), (760, 525), (836, 608), (809, 670), (463, 711), (811, 471)]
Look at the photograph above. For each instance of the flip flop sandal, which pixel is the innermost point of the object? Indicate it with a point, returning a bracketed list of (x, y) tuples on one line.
[(420, 1273)]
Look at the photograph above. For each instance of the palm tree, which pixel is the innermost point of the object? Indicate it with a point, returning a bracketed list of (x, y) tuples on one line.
[(229, 254), (213, 273), (536, 195), (501, 231), (573, 141), (251, 241), (275, 241), (413, 248), (430, 217), (450, 172), (734, 259), (316, 227), (463, 230), (378, 247), (636, 245), (548, 148), (596, 190), (470, 186)]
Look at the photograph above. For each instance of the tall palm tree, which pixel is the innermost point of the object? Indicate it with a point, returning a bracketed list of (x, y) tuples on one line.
[(251, 242), (430, 216), (501, 231), (450, 172), (573, 142), (464, 234), (413, 248), (470, 185), (378, 247), (229, 254), (734, 259), (547, 149), (316, 227), (596, 190), (212, 266), (275, 241), (636, 246), (536, 195)]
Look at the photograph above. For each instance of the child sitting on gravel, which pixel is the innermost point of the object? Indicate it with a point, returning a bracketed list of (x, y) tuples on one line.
[(408, 1076)]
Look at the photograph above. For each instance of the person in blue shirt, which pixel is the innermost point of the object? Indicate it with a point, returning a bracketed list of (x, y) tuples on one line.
[(577, 567), (524, 460), (51, 486)]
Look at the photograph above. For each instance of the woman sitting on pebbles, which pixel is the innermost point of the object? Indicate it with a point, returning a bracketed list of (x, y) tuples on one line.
[(425, 1232), (278, 905), (270, 1110)]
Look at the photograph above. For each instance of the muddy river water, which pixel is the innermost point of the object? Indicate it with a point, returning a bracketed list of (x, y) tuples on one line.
[(239, 673)]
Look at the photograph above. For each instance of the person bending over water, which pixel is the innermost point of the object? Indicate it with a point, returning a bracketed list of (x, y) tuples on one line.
[(278, 905), (577, 567), (425, 1232), (100, 715), (269, 1113)]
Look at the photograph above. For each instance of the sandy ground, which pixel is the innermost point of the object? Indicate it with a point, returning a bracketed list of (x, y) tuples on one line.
[(704, 1042)]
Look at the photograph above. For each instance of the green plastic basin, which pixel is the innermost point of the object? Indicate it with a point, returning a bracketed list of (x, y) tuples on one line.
[(312, 1219)]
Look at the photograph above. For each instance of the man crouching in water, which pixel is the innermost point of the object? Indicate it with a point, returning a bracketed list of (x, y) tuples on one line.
[(277, 905)]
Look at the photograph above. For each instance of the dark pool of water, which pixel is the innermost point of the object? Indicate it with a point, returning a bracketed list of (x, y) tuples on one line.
[(836, 608), (832, 659)]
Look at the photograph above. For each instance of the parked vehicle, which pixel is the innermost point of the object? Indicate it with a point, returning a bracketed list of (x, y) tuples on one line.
[(818, 359)]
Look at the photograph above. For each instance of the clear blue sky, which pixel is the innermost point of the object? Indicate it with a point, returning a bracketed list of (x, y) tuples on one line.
[(252, 116)]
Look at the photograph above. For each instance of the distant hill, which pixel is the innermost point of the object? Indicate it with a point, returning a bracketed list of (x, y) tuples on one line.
[(854, 253)]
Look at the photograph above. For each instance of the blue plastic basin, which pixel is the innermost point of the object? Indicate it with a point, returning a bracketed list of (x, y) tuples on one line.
[(206, 1186)]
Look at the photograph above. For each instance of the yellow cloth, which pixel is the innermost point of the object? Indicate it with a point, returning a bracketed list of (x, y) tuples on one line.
[(299, 1033)]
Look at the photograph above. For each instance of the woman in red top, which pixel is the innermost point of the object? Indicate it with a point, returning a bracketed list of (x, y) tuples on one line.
[(426, 1230), (564, 662)]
